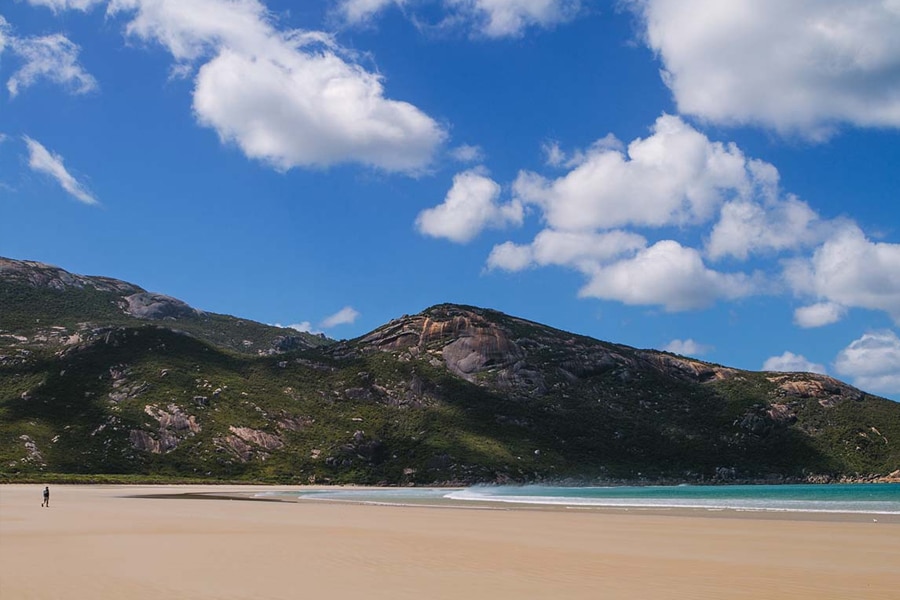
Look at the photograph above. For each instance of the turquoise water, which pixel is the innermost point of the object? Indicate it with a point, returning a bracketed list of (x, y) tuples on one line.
[(844, 498)]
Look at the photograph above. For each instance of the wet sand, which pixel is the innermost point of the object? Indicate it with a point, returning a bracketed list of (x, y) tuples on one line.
[(103, 542)]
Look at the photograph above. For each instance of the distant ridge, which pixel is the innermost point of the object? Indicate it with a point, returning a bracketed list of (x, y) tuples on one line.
[(99, 376)]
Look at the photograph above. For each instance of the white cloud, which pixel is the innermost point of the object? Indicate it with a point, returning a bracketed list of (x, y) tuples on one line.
[(669, 275), (745, 227), (5, 34), (851, 271), (508, 18), (51, 57), (467, 153), (799, 66), (792, 363), (873, 361), (819, 314), (62, 5), (43, 161), (358, 12), (289, 98), (686, 347), (469, 207), (577, 249), (509, 256), (490, 18), (674, 177), (553, 154), (345, 316)]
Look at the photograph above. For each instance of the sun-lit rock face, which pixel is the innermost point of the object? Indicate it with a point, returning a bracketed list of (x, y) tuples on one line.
[(827, 390), (467, 341), (144, 305), (39, 274), (685, 368)]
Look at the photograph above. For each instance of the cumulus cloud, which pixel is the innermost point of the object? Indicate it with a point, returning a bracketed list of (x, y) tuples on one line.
[(800, 66), (851, 271), (686, 347), (819, 314), (676, 176), (873, 362), (5, 33), (42, 160), (792, 363), (490, 18), (510, 256), (289, 98), (507, 18), (746, 227), (62, 5), (554, 155), (467, 153), (358, 12), (51, 57), (345, 316), (303, 327), (578, 249), (666, 274), (469, 207)]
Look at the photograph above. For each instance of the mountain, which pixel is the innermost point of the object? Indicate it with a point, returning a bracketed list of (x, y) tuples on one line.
[(53, 305), (100, 376)]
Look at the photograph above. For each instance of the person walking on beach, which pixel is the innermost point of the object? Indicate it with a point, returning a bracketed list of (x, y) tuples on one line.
[(46, 501)]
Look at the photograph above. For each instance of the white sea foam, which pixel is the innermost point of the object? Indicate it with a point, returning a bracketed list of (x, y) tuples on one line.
[(486, 494), (807, 499)]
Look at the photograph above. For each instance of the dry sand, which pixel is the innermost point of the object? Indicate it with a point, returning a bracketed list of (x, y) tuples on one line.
[(97, 543)]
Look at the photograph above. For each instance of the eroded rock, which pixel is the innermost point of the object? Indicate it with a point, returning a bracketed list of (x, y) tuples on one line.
[(145, 305), (173, 425)]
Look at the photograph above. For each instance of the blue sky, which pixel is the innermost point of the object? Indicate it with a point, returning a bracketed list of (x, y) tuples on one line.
[(715, 178)]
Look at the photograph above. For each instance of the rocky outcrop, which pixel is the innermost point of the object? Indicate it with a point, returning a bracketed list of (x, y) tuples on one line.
[(38, 274), (145, 305), (260, 438), (73, 298), (827, 390), (172, 426), (687, 369), (246, 443), (467, 342), (32, 453)]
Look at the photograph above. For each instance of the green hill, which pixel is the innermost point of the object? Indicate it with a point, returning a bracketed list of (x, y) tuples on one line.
[(94, 379)]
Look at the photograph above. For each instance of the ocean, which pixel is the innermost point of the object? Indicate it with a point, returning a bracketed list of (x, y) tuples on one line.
[(883, 498)]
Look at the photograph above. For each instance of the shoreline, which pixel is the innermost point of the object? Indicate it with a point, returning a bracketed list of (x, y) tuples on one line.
[(773, 514), (143, 543)]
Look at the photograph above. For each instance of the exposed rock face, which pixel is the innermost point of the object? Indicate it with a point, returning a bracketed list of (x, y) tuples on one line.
[(174, 425), (255, 436), (825, 389), (41, 275), (684, 368), (88, 309), (245, 443), (467, 342), (31, 450), (471, 341), (145, 305)]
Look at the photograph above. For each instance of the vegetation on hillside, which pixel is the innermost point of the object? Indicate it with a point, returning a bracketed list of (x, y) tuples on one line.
[(455, 394)]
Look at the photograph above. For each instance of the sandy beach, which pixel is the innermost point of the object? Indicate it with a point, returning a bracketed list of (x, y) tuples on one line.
[(102, 542)]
